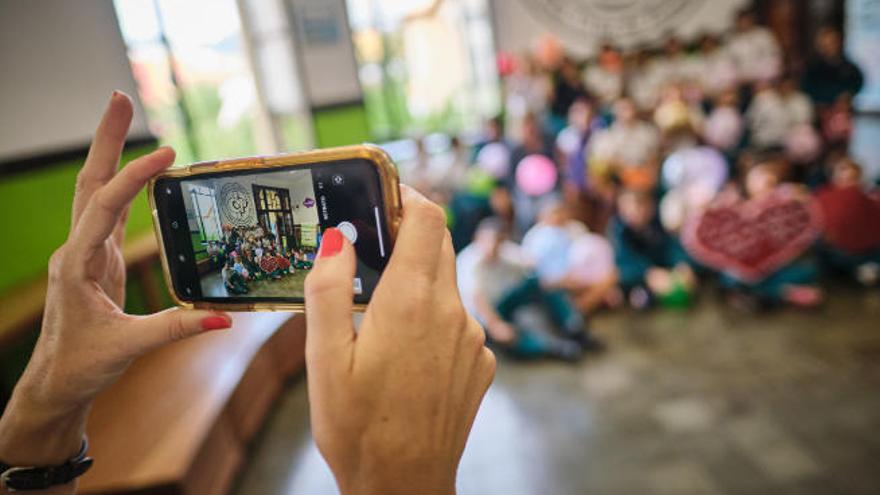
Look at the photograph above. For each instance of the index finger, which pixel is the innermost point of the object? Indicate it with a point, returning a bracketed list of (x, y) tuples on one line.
[(420, 237), (103, 158), (108, 203)]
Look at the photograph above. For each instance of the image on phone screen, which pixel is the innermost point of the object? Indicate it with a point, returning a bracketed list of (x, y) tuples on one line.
[(254, 235)]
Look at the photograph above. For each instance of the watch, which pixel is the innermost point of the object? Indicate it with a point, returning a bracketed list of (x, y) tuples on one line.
[(16, 478)]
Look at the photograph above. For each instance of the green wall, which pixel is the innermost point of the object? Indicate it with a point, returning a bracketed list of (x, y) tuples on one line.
[(36, 218), (341, 126)]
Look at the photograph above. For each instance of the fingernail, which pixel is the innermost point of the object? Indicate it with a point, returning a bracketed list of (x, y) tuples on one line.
[(331, 245), (216, 322)]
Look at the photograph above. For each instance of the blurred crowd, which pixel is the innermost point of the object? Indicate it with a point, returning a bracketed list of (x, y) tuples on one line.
[(641, 178)]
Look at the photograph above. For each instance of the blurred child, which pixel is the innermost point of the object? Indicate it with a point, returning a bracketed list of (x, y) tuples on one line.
[(233, 281), (568, 257), (604, 79), (795, 283), (830, 74), (754, 49), (495, 283), (766, 119), (714, 68), (628, 149), (724, 128), (851, 241), (652, 266)]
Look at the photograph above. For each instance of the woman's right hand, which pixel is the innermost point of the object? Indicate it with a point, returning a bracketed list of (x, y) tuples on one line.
[(393, 403)]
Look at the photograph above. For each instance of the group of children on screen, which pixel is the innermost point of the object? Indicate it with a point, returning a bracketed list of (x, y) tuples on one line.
[(248, 255), (583, 195)]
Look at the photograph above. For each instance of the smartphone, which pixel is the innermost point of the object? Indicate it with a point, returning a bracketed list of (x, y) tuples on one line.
[(242, 234)]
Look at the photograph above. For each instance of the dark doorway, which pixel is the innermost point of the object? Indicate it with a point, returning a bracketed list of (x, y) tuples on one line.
[(275, 216)]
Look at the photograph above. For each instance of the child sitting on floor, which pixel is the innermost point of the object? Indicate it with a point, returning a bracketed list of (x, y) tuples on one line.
[(650, 263), (796, 283), (495, 283), (851, 240), (567, 256), (233, 281)]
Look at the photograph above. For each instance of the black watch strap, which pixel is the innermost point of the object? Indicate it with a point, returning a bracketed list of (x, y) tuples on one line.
[(16, 478)]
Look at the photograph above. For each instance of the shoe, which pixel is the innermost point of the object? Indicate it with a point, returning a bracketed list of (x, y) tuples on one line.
[(567, 351), (591, 344), (868, 274), (640, 298)]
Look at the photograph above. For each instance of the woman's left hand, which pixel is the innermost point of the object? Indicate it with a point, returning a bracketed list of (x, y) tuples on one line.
[(87, 340)]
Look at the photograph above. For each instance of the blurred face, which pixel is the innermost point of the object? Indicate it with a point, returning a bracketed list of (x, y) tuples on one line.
[(625, 111), (709, 45), (501, 203), (760, 181), (635, 211), (828, 43), (489, 242), (745, 22), (556, 216), (847, 173), (579, 115)]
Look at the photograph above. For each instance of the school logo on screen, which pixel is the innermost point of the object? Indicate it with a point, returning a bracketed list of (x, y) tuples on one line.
[(625, 21), (236, 204)]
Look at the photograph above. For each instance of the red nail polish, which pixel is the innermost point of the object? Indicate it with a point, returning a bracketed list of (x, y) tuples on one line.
[(331, 245), (215, 323)]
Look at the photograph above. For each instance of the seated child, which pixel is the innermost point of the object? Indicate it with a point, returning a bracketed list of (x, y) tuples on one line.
[(568, 257), (233, 281), (651, 264), (797, 282), (851, 241), (495, 283)]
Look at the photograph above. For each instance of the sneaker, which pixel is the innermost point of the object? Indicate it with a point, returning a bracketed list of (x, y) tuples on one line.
[(591, 344), (640, 298), (567, 351), (868, 274)]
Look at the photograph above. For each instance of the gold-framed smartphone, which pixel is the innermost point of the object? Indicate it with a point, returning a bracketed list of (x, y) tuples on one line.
[(242, 234)]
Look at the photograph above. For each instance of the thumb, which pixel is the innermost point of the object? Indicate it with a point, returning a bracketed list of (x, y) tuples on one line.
[(329, 299), (174, 324)]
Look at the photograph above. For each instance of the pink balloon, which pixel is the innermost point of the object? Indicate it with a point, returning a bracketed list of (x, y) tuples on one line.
[(536, 175), (723, 128), (591, 259), (494, 159)]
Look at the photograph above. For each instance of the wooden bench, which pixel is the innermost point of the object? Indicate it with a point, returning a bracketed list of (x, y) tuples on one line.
[(180, 419)]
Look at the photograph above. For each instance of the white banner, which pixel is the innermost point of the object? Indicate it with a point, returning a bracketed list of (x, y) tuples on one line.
[(583, 24)]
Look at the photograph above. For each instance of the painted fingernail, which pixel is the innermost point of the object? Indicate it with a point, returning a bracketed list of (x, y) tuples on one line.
[(331, 245), (216, 322)]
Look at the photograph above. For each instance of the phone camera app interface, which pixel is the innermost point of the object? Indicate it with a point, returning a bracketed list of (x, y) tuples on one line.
[(256, 235)]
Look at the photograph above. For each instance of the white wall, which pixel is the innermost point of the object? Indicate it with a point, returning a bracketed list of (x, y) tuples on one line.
[(60, 61), (582, 24)]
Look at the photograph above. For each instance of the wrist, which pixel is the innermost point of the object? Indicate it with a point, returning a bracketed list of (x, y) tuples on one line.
[(394, 478), (37, 432)]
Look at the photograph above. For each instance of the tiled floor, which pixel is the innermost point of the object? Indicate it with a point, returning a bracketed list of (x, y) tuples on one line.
[(709, 401)]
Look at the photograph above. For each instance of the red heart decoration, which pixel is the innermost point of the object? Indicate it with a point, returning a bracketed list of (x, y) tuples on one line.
[(751, 239)]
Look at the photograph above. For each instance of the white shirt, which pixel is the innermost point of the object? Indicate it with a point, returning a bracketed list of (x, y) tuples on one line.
[(756, 53), (768, 119), (772, 116), (489, 278), (715, 71), (606, 85), (627, 145)]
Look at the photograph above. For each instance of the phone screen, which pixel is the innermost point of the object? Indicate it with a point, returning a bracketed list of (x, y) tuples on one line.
[(253, 235)]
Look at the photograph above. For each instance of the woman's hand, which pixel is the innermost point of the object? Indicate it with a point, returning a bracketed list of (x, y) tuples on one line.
[(392, 405), (87, 340)]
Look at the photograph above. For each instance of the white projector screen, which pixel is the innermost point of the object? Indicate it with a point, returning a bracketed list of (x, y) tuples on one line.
[(61, 60)]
